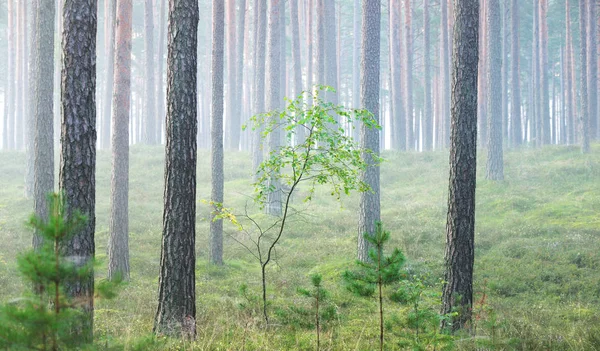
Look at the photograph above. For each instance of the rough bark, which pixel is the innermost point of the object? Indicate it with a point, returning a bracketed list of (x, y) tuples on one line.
[(273, 206), (495, 158), (216, 132), (118, 243), (43, 119), (149, 135), (369, 206), (176, 313), (109, 32), (457, 295), (427, 107), (32, 72), (515, 117), (78, 147), (584, 119)]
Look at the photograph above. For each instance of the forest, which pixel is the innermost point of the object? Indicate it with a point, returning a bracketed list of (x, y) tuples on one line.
[(299, 175)]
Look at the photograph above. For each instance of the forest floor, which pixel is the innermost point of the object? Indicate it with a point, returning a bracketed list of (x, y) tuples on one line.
[(537, 268)]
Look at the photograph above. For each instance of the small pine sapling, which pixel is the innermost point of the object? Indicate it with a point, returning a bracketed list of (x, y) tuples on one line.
[(378, 272), (44, 319), (319, 297)]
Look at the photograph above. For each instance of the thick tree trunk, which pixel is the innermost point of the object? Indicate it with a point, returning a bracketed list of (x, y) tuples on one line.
[(109, 32), (216, 133), (78, 147), (457, 293), (495, 158), (118, 244), (427, 108), (515, 117), (176, 312), (29, 124), (43, 119), (583, 78), (369, 206), (149, 119)]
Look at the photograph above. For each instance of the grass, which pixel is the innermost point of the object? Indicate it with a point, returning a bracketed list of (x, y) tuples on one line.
[(537, 243)]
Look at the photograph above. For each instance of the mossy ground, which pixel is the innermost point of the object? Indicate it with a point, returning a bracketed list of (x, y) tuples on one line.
[(537, 244)]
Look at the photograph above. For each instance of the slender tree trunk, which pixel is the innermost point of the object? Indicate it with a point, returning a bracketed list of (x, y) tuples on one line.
[(236, 129), (331, 64), (118, 244), (176, 312), (29, 117), (515, 116), (11, 110), (20, 75), (427, 109), (457, 293), (482, 75), (160, 93), (399, 124), (355, 62), (231, 114), (592, 64), (296, 61), (583, 79), (43, 120), (495, 161), (273, 206), (150, 88), (320, 54), (505, 70), (571, 129), (445, 76), (109, 32), (369, 206), (545, 100), (259, 82), (216, 133), (408, 67), (78, 147)]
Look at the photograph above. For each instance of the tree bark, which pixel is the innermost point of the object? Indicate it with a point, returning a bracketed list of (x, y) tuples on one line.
[(78, 147), (235, 135), (545, 99), (160, 94), (296, 58), (320, 39), (369, 206), (118, 244), (355, 62), (43, 119), (408, 69), (216, 134), (331, 64), (570, 118), (29, 124), (457, 295), (592, 64), (259, 82), (176, 312), (399, 123), (231, 115), (495, 157), (427, 108)]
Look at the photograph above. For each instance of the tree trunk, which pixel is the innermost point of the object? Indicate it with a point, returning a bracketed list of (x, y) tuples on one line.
[(118, 244), (398, 132), (545, 100), (235, 135), (369, 206), (78, 147), (355, 62), (571, 128), (495, 158), (160, 93), (515, 117), (176, 313), (150, 88), (259, 82), (427, 108), (482, 75), (109, 32), (331, 64), (216, 133), (505, 69), (296, 61), (457, 295), (273, 206), (31, 103), (231, 113), (43, 120), (592, 64), (445, 76), (584, 113), (409, 115), (320, 77)]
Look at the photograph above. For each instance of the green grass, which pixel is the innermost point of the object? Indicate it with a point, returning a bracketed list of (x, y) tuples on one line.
[(537, 243)]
